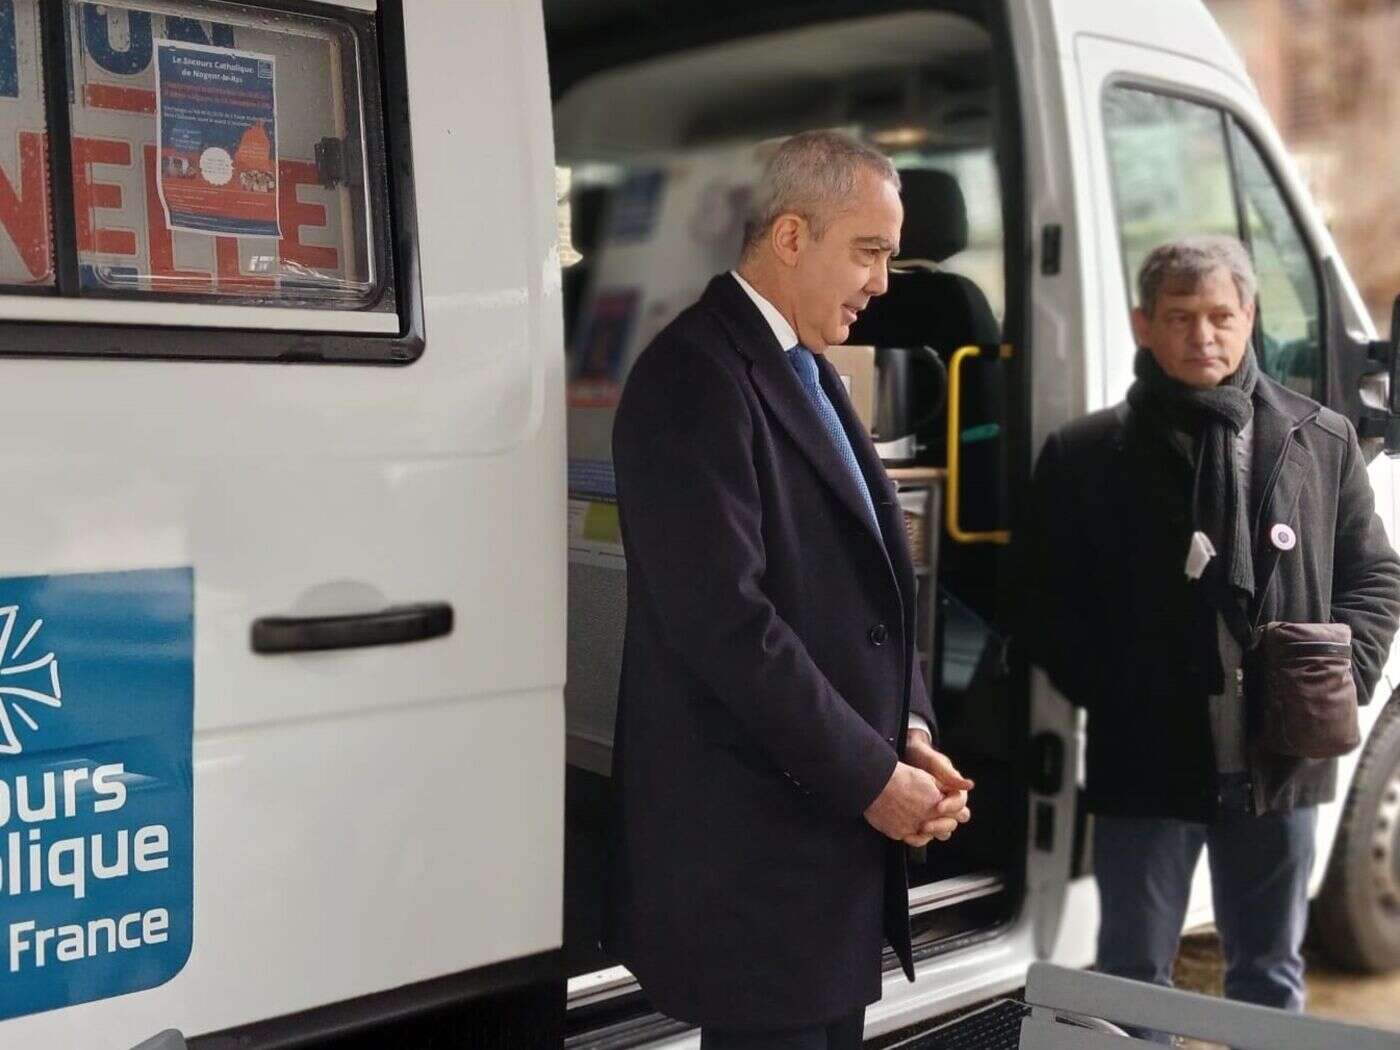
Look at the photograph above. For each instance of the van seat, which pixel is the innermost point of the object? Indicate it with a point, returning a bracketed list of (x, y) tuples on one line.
[(925, 306)]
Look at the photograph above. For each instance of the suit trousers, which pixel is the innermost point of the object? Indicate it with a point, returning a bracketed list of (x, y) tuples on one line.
[(1259, 870), (846, 1033)]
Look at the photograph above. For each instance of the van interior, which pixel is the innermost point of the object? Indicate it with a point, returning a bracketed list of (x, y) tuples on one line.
[(660, 128)]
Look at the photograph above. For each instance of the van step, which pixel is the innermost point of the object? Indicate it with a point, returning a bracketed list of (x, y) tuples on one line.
[(588, 989), (945, 893)]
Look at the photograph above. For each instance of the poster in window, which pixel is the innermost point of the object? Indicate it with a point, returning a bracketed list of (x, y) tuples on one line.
[(216, 113), (600, 351)]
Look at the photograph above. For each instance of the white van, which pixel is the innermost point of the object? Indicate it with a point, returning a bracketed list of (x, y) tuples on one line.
[(311, 593)]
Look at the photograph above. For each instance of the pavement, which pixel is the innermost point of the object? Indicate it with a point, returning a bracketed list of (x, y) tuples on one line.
[(1357, 998)]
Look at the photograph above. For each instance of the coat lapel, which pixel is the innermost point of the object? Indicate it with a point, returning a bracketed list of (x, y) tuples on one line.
[(1280, 465), (782, 391)]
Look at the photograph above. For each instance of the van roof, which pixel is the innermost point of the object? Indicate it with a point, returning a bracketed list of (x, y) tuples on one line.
[(585, 36), (852, 71)]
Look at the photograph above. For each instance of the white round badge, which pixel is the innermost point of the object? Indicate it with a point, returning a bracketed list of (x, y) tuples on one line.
[(1283, 537)]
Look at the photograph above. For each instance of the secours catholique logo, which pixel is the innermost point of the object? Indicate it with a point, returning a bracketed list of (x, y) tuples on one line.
[(17, 693), (96, 779)]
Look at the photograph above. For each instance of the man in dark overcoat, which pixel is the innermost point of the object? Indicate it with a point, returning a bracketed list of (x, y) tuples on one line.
[(774, 745)]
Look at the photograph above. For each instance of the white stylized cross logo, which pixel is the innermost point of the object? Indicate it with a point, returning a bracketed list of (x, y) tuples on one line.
[(42, 676)]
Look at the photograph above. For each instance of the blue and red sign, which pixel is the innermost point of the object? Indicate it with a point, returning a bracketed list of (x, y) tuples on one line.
[(216, 109), (96, 778)]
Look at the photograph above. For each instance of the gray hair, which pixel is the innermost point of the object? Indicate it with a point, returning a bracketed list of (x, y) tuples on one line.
[(1186, 261), (811, 174)]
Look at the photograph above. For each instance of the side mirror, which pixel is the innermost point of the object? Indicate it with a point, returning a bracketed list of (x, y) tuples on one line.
[(1393, 363), (1356, 369), (1384, 356)]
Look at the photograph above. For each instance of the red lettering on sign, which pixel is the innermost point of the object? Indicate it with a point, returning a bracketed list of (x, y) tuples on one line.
[(230, 269), (88, 195), (162, 262), (294, 214), (25, 215), (125, 100)]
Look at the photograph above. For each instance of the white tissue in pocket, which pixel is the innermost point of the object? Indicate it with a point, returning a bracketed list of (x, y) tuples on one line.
[(1199, 555)]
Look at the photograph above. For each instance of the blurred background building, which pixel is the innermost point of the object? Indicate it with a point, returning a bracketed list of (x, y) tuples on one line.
[(1327, 71)]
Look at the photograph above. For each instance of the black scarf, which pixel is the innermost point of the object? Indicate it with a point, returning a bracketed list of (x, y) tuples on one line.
[(1214, 417)]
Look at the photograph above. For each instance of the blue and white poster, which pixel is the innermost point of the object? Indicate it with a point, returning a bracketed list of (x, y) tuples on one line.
[(216, 114), (96, 775)]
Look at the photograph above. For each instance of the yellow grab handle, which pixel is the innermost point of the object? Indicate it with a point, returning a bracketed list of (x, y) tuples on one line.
[(955, 531)]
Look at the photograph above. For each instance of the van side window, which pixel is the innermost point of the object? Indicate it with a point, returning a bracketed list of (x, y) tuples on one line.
[(222, 166), (1170, 171), (1181, 167), (219, 150), (26, 228), (1289, 325)]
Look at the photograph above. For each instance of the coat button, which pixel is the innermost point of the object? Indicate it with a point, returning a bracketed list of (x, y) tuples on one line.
[(878, 634)]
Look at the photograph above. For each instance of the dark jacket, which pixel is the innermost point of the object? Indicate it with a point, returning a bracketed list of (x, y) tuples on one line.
[(768, 671), (1110, 602)]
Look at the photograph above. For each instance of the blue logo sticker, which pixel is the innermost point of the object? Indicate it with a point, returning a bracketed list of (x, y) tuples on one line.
[(96, 806)]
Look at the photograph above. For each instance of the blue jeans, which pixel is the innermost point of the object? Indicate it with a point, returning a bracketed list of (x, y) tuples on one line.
[(1259, 881)]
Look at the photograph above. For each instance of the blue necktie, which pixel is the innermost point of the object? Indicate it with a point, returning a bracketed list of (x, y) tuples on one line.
[(805, 365)]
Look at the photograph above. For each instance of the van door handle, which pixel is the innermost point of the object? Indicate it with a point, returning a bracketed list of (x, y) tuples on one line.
[(391, 626)]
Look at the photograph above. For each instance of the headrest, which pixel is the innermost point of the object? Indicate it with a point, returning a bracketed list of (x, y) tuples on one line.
[(935, 215)]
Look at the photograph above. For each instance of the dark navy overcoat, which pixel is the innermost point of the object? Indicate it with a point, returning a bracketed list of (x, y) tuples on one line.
[(768, 671)]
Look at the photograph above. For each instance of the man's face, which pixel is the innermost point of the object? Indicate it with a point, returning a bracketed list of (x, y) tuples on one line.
[(1197, 336), (836, 275)]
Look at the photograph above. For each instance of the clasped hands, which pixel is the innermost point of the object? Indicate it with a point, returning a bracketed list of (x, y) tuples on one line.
[(925, 798)]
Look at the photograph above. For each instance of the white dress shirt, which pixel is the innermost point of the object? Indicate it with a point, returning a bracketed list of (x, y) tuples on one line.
[(787, 339)]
